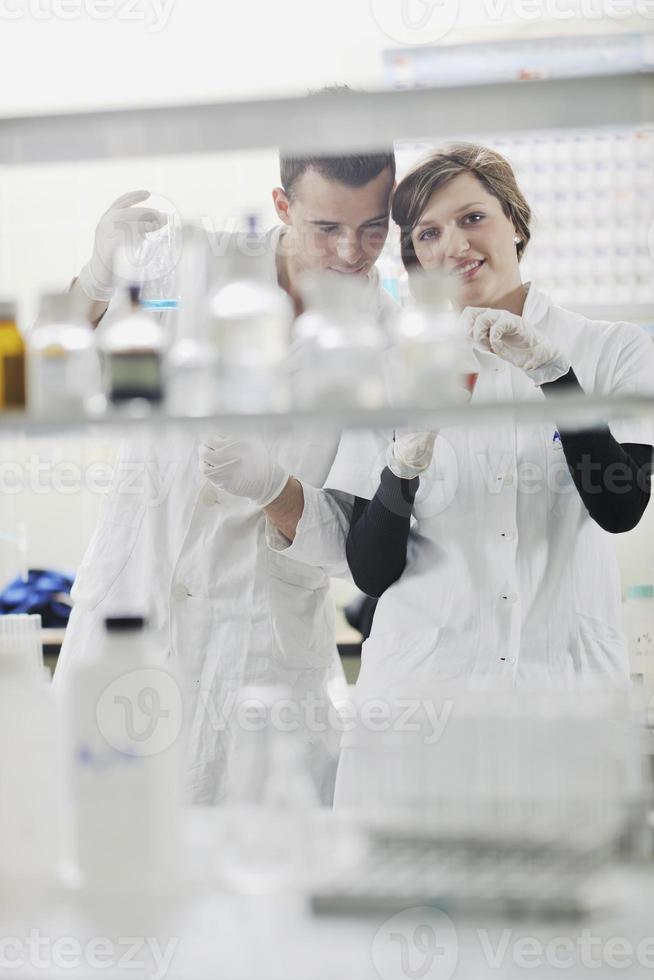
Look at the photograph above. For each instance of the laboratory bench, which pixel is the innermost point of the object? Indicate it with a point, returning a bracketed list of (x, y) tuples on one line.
[(348, 641), (207, 930)]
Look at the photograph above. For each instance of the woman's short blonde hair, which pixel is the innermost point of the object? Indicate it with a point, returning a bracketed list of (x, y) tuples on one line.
[(414, 192)]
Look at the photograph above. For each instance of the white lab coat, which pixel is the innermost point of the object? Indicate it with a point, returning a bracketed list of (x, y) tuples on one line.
[(508, 580), (230, 609)]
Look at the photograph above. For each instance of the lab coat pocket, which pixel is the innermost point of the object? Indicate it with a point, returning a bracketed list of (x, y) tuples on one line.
[(399, 663), (108, 552), (301, 614), (601, 649)]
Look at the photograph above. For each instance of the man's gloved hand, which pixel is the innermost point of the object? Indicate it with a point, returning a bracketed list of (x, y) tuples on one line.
[(121, 224), (511, 338), (410, 454), (242, 467)]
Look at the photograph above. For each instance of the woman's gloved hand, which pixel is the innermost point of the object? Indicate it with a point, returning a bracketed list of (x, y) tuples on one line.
[(410, 454), (121, 224), (242, 467), (514, 340)]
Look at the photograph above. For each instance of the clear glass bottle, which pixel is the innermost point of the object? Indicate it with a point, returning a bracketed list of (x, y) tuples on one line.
[(63, 369), (431, 362), (343, 344), (250, 325), (132, 351), (12, 360), (270, 822), (152, 263)]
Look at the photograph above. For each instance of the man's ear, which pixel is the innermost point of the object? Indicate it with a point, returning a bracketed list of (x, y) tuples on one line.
[(281, 202)]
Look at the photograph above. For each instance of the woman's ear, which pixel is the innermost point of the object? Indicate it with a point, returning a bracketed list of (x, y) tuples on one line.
[(282, 203)]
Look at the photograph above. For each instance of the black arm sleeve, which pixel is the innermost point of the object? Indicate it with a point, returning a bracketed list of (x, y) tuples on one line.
[(613, 480), (379, 531)]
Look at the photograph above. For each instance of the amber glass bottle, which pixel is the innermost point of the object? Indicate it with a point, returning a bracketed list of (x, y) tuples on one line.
[(12, 360)]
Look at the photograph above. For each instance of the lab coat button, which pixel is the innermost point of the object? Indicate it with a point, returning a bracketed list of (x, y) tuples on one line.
[(509, 597), (508, 480), (180, 592), (507, 535)]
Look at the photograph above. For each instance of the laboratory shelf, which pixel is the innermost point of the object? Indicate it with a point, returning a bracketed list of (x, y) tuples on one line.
[(363, 121), (568, 411)]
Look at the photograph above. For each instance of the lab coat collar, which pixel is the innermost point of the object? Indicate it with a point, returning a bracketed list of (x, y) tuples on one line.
[(537, 305)]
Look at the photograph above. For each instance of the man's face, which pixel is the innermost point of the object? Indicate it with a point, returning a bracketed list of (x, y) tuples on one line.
[(333, 226)]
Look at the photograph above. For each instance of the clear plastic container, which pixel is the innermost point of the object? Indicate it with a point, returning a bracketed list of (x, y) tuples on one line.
[(63, 368), (343, 344)]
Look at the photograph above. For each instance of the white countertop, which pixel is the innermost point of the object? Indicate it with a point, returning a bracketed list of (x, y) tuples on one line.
[(206, 933)]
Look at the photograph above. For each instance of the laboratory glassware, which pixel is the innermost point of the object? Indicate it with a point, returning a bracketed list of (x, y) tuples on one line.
[(12, 360), (191, 361), (250, 324), (431, 362), (342, 344), (63, 369), (132, 345)]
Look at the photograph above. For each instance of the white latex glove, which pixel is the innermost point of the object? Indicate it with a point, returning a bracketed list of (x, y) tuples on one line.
[(242, 467), (514, 340), (121, 224), (409, 455)]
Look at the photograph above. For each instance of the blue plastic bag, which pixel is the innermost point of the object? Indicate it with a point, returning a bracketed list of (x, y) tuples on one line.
[(44, 592)]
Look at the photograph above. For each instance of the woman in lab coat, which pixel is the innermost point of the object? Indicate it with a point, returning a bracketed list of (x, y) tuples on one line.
[(488, 545)]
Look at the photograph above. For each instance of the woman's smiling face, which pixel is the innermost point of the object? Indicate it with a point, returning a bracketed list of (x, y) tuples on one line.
[(465, 233)]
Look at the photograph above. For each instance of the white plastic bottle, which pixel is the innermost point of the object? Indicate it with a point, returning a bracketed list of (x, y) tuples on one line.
[(30, 773), (125, 747), (63, 369)]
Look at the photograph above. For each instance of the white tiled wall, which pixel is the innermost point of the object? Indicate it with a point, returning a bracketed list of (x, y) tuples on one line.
[(48, 214)]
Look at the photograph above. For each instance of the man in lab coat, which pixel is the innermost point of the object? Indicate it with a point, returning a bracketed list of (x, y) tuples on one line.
[(232, 610)]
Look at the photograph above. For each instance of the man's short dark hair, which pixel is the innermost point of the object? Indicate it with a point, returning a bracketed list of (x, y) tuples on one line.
[(353, 170)]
